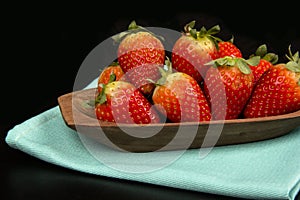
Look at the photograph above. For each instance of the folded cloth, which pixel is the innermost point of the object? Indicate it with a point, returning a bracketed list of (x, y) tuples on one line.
[(268, 169)]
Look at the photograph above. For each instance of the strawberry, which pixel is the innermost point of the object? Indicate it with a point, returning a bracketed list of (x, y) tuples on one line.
[(139, 77), (228, 48), (113, 68), (278, 90), (121, 102), (140, 48), (267, 60), (193, 49), (228, 85), (178, 96)]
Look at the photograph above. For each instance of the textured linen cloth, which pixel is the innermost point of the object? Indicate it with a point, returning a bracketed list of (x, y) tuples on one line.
[(267, 169)]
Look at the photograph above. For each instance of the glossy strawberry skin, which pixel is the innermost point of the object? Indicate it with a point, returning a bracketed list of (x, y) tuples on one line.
[(227, 48), (237, 87), (104, 112), (277, 92), (143, 77), (104, 76), (181, 99), (260, 69), (140, 48), (126, 104), (189, 55)]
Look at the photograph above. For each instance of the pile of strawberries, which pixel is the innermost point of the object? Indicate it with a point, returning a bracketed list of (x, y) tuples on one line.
[(205, 78)]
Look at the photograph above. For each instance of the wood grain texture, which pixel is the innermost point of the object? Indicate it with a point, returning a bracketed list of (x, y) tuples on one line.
[(79, 116)]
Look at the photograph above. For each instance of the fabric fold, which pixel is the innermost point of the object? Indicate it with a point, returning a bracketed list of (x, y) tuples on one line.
[(268, 169)]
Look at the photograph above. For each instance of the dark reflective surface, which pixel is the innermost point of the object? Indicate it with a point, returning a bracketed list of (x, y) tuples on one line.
[(24, 177)]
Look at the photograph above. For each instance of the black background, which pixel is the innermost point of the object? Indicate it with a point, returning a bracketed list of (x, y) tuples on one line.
[(44, 46)]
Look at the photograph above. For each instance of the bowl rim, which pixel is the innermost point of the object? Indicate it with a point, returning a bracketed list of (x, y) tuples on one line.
[(295, 114)]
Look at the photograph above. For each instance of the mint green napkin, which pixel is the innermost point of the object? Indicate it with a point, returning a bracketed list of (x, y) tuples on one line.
[(267, 169)]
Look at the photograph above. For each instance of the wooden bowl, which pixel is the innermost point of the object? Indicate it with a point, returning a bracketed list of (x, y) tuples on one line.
[(79, 116)]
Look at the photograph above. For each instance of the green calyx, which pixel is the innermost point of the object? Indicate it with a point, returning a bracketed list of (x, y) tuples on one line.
[(133, 28), (241, 63), (114, 63), (231, 39), (263, 53), (164, 73), (101, 97), (190, 30), (294, 62)]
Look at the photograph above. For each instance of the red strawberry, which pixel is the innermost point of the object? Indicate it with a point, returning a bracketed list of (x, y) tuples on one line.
[(267, 60), (278, 90), (180, 98), (228, 48), (228, 85), (193, 49), (139, 77), (122, 102), (138, 47), (104, 76)]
